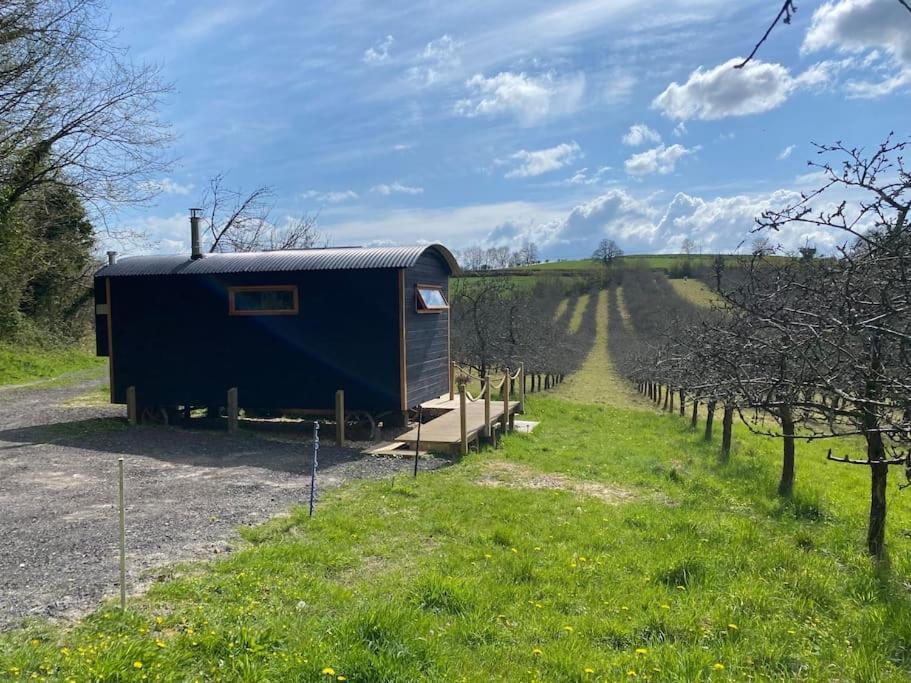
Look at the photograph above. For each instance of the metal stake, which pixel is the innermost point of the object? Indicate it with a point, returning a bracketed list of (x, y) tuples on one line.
[(314, 465), (417, 446), (123, 540)]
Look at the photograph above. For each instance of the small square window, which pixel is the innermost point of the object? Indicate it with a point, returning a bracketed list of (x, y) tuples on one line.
[(265, 300), (430, 299)]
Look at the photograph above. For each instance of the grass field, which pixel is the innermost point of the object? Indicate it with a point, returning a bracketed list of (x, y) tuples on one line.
[(22, 366), (608, 545), (581, 305), (665, 261), (695, 291)]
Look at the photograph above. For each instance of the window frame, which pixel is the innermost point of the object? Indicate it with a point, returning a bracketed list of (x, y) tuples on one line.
[(421, 306), (233, 291)]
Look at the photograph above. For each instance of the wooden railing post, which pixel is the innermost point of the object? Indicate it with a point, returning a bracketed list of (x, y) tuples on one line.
[(522, 388), (452, 379), (463, 422), (504, 421), (232, 410), (340, 417), (487, 406), (131, 406)]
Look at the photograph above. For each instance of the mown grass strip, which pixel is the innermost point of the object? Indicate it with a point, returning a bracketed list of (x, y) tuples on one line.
[(575, 322), (562, 307), (695, 291)]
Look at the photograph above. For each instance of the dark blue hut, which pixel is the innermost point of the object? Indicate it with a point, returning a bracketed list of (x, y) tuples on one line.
[(286, 328)]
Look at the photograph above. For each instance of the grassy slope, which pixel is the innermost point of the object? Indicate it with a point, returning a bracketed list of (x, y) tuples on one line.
[(581, 305), (606, 545), (21, 366), (596, 382), (695, 291)]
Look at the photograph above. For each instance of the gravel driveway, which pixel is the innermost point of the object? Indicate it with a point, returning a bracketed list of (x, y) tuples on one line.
[(187, 492)]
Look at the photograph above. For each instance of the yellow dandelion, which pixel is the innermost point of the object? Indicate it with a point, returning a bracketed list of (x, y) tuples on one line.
[(733, 627), (665, 606), (641, 650), (514, 550), (137, 664), (625, 608), (159, 642), (631, 673), (537, 652), (35, 642), (718, 666), (487, 555), (328, 671), (589, 670), (568, 628), (159, 620), (341, 678)]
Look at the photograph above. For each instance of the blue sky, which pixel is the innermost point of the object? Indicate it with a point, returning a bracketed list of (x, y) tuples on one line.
[(495, 122)]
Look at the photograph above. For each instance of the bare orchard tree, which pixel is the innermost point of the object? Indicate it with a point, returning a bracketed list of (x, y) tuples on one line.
[(240, 221), (858, 308), (74, 111)]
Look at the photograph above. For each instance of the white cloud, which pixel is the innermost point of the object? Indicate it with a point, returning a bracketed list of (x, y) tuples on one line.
[(858, 25), (583, 177), (640, 225), (725, 91), (660, 159), (530, 99), (544, 160), (878, 27), (786, 152), (379, 53), (639, 134), (165, 186), (331, 197), (438, 61), (619, 86), (396, 188)]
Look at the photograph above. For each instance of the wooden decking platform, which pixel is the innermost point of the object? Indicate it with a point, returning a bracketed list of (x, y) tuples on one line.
[(444, 433)]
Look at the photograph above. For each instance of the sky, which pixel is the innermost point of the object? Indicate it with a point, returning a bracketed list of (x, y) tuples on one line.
[(557, 121)]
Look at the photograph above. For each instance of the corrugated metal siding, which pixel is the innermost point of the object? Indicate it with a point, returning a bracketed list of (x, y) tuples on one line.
[(176, 343), (427, 335), (355, 258)]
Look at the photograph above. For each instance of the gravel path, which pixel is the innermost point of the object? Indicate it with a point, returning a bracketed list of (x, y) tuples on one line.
[(187, 492)]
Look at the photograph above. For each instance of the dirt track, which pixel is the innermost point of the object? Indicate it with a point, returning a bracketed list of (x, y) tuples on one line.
[(187, 492)]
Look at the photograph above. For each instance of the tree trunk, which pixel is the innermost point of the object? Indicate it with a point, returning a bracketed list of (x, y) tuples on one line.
[(695, 419), (667, 394), (727, 424), (682, 403), (876, 532), (786, 485), (709, 418)]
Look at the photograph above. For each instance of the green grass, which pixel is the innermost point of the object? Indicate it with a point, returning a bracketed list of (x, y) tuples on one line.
[(23, 366), (581, 305), (695, 291), (608, 545), (511, 566)]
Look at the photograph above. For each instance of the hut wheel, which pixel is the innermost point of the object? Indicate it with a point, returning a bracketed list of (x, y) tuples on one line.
[(362, 419), (154, 415)]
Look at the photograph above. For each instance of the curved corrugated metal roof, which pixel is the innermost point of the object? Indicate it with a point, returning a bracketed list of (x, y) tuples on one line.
[(349, 258)]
